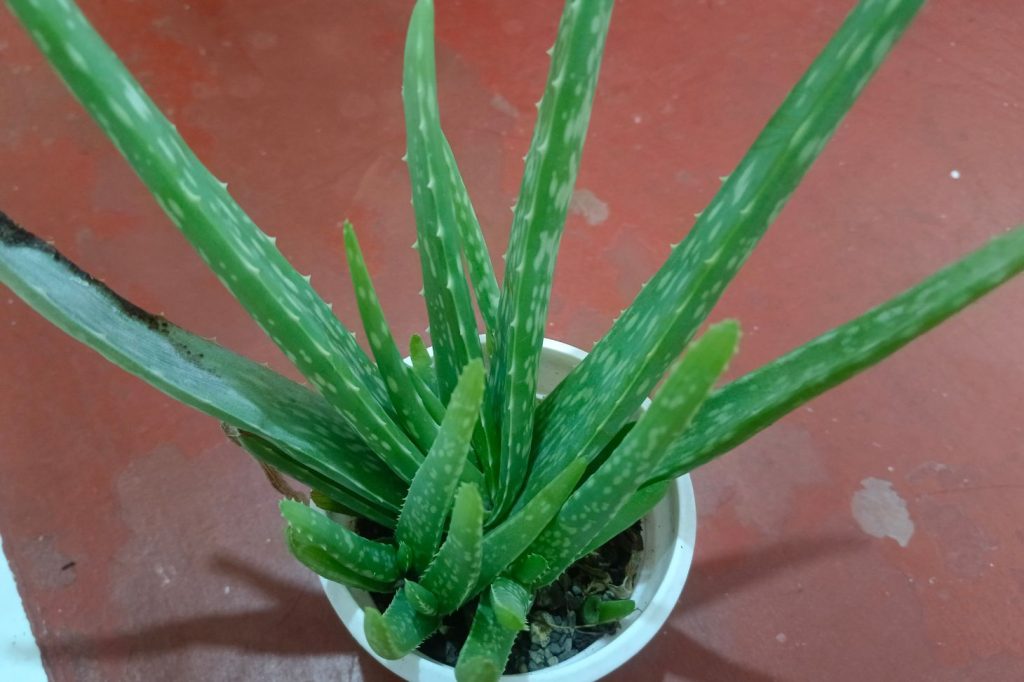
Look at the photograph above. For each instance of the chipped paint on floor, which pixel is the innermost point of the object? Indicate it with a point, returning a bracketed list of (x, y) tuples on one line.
[(881, 512)]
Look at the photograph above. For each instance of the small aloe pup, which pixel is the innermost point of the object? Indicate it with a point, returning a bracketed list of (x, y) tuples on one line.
[(485, 494)]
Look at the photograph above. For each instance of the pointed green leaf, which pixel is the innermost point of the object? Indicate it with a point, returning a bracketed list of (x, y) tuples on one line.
[(597, 611), (637, 507), (377, 510), (422, 362), (427, 396), (527, 569), (481, 270), (409, 408), (601, 393), (324, 501), (548, 181), (604, 494), (432, 489), (244, 258), (486, 651), (608, 449), (399, 630), (323, 563), (404, 558), (355, 553), (511, 602), (752, 402), (504, 543), (454, 573), (449, 305), (422, 599), (195, 371)]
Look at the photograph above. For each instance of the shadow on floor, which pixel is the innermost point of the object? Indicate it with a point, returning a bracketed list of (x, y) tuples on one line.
[(296, 621), (681, 653), (300, 622)]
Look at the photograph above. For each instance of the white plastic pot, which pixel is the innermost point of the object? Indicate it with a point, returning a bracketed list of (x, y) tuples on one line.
[(669, 532)]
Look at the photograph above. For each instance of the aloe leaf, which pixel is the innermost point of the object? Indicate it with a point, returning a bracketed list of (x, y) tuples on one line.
[(399, 630), (245, 259), (453, 574), (511, 602), (411, 411), (602, 392), (551, 167), (504, 543), (604, 494), (752, 402), (597, 611), (449, 305), (323, 563), (197, 372), (341, 500), (527, 569), (355, 553), (486, 651), (427, 397), (430, 494), (422, 362), (474, 248), (608, 449), (637, 507), (436, 412), (421, 371), (422, 599), (324, 501)]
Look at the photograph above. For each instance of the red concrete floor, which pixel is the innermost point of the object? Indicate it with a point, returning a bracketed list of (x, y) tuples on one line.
[(147, 547)]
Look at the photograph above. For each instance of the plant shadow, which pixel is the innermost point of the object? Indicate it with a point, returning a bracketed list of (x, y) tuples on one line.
[(681, 653), (296, 621)]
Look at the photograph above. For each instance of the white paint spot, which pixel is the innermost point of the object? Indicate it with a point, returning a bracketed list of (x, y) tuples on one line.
[(781, 638), (587, 204), (881, 512), (955, 174)]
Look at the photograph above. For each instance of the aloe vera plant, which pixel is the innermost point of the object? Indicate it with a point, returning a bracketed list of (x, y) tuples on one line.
[(484, 494)]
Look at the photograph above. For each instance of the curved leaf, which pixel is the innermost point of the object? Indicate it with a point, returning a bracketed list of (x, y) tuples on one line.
[(323, 563), (411, 412), (604, 494), (511, 602), (455, 570), (430, 494), (398, 630), (504, 543), (343, 500), (245, 259), (195, 371), (347, 548), (486, 651), (422, 599), (637, 507)]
